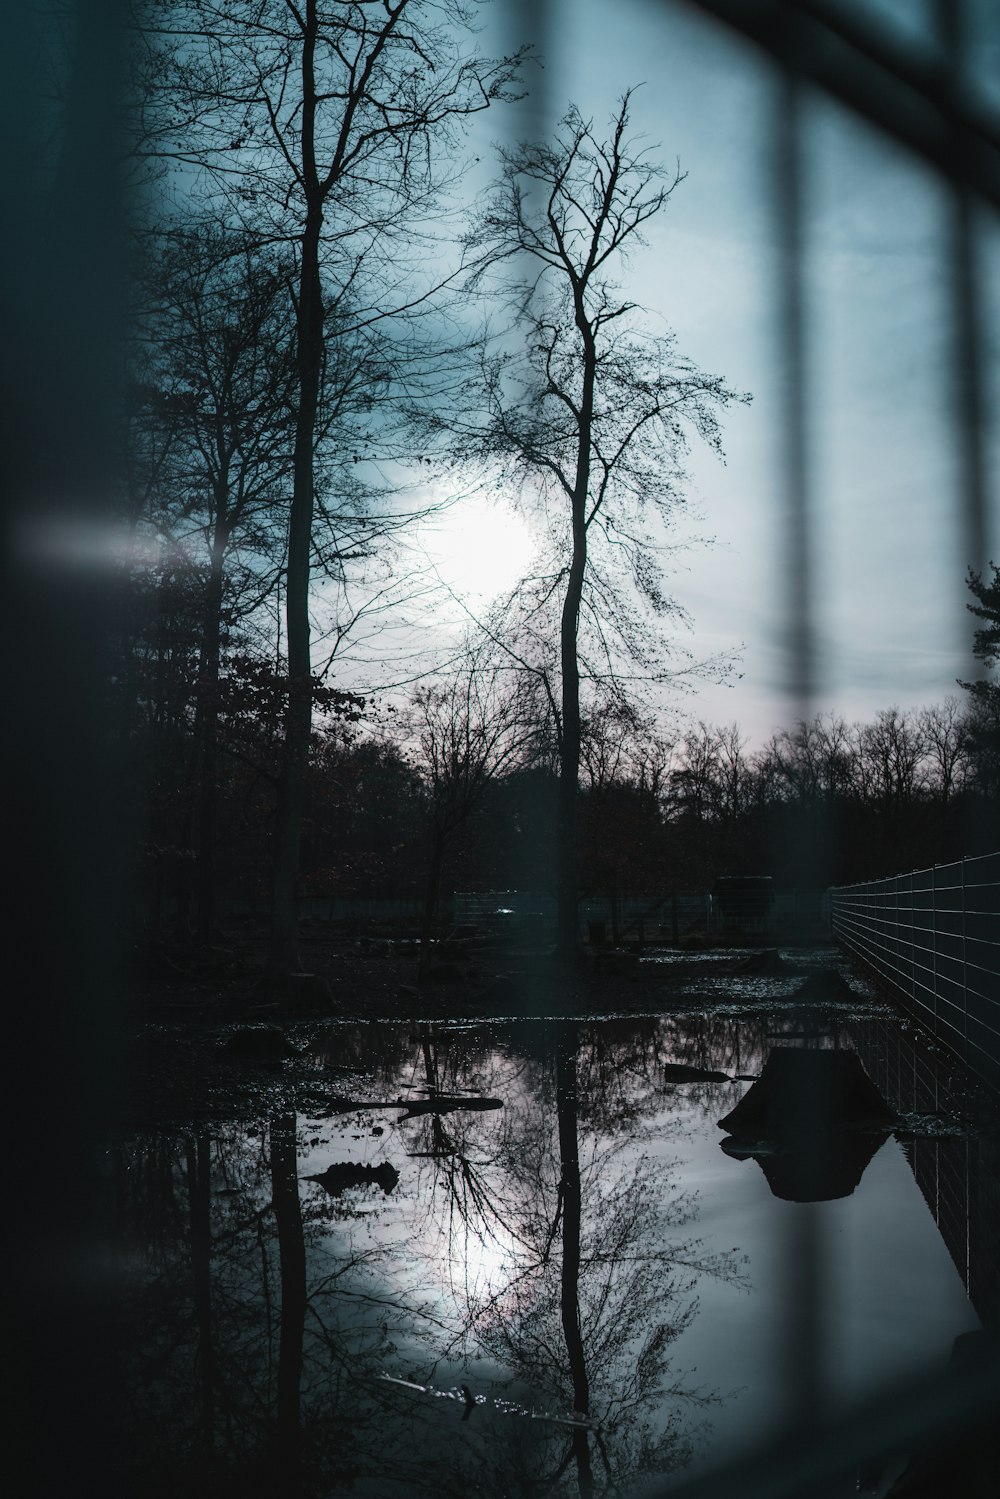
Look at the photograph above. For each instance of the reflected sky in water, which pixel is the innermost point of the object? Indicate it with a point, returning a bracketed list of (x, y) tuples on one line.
[(559, 1294)]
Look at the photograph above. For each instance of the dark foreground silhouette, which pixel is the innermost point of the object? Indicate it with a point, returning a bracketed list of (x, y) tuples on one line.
[(812, 1121)]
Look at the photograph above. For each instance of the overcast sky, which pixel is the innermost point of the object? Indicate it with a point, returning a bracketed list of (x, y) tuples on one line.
[(890, 563)]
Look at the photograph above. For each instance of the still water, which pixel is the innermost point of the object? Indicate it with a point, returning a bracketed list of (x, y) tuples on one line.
[(514, 1258)]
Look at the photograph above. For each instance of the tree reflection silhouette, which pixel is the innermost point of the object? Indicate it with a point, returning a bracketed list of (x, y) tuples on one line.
[(199, 1199), (592, 1294), (292, 1260), (235, 1294), (539, 1253), (571, 1203)]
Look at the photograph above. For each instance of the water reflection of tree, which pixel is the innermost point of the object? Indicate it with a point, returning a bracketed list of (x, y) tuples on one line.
[(294, 1301), (198, 1171), (238, 1307), (265, 1311), (596, 1286), (465, 1150), (623, 1067), (373, 1053)]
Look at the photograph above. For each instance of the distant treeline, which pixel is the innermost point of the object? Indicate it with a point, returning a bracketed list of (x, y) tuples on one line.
[(823, 802)]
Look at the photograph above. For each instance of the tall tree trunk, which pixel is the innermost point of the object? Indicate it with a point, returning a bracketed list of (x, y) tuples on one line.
[(572, 1211), (292, 1254), (569, 748), (207, 735), (569, 755), (284, 955)]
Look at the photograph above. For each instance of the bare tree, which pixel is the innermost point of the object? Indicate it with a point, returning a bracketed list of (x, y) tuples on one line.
[(619, 743), (944, 733), (215, 389), (812, 763), (893, 747), (215, 386), (471, 728), (320, 126), (592, 411), (696, 780)]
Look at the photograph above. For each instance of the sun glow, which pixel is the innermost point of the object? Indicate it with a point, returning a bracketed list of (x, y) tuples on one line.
[(482, 1261), (478, 548)]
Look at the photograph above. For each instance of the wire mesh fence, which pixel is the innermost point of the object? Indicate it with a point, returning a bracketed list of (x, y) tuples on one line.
[(958, 1175), (934, 937)]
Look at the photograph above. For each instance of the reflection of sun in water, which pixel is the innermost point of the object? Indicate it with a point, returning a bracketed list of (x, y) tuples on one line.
[(479, 548), (481, 1263), (487, 1261)]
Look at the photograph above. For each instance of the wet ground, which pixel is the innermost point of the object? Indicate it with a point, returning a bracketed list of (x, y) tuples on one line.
[(515, 1254)]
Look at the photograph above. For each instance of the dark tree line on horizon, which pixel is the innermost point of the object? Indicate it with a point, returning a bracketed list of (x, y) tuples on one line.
[(389, 806)]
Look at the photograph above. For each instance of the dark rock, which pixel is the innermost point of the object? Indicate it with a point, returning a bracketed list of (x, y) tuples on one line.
[(812, 1120), (824, 987), (801, 1090), (804, 1171), (768, 961), (342, 1174)]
